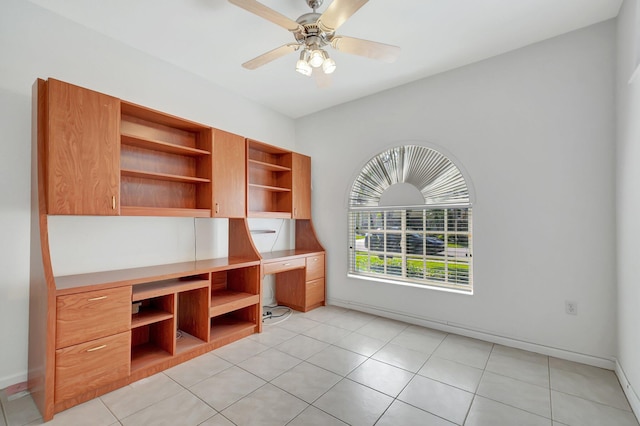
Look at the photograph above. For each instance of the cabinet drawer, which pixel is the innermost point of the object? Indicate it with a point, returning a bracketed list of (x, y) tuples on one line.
[(315, 267), (281, 266), (87, 316), (315, 292), (87, 366)]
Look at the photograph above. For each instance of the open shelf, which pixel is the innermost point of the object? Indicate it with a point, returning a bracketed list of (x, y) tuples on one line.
[(268, 166), (269, 188), (163, 176), (225, 301), (163, 211), (147, 354), (149, 316), (187, 342), (165, 164), (269, 215), (157, 145), (226, 329), (164, 287)]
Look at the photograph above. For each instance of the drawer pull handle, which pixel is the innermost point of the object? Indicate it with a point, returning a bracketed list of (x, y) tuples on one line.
[(97, 348), (286, 264), (93, 299)]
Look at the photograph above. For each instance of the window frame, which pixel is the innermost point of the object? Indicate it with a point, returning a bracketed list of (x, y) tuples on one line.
[(441, 185), (451, 281)]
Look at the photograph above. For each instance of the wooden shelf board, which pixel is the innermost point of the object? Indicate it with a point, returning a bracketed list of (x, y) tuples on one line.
[(187, 342), (269, 215), (149, 114), (133, 140), (149, 316), (162, 176), (162, 211), (225, 301), (70, 284), (225, 328), (164, 287), (269, 188), (268, 166), (143, 356)]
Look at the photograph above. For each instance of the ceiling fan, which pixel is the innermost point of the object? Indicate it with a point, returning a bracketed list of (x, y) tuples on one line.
[(313, 32)]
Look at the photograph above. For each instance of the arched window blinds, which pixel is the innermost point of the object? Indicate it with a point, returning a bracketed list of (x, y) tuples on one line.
[(439, 180)]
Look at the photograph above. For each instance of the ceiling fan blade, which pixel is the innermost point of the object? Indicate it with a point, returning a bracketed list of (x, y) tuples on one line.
[(337, 13), (271, 55), (322, 80), (369, 49), (267, 13)]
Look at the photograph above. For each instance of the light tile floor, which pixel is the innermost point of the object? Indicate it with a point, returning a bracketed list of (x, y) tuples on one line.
[(333, 366)]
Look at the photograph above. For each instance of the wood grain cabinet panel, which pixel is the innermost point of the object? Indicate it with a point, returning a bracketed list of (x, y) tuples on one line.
[(301, 186), (282, 266), (315, 267), (87, 366), (314, 293), (82, 150), (229, 175), (86, 316)]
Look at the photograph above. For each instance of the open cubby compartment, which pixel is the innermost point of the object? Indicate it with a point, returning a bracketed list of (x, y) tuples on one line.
[(269, 180), (153, 331), (193, 318), (235, 325), (165, 164), (235, 289)]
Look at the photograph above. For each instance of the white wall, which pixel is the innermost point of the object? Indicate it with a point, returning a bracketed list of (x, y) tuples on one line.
[(535, 130), (628, 201), (35, 43)]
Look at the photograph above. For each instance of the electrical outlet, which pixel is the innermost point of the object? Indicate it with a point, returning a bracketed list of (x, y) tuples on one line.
[(571, 307)]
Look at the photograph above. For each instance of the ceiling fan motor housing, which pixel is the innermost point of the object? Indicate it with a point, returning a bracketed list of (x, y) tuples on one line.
[(312, 34)]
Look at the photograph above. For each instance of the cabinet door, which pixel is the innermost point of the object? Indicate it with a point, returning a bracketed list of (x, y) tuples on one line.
[(83, 168), (301, 186), (229, 176)]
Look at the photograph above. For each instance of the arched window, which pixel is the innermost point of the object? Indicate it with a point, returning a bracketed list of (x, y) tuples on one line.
[(410, 220)]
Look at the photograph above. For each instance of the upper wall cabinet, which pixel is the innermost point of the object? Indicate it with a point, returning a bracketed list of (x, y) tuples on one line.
[(82, 148), (301, 186), (229, 177)]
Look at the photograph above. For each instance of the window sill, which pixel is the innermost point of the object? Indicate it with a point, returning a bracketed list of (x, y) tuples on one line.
[(410, 284)]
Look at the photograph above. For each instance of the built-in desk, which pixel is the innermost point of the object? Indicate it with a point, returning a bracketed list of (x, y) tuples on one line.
[(299, 275)]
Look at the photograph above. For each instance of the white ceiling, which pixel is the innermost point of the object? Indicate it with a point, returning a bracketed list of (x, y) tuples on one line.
[(211, 38)]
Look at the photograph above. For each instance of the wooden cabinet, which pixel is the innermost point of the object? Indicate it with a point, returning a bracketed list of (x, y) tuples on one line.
[(229, 175), (300, 289), (92, 340), (89, 315), (269, 181), (144, 320), (88, 366), (98, 155), (82, 150), (301, 186)]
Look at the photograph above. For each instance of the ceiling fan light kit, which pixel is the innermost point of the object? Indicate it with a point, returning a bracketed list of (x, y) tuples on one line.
[(313, 31)]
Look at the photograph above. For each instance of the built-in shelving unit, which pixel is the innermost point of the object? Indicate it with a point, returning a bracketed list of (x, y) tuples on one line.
[(98, 155), (165, 164), (269, 185)]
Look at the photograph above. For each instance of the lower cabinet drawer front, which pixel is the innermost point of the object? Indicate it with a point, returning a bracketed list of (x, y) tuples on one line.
[(315, 267), (86, 316), (315, 291), (282, 266), (89, 365)]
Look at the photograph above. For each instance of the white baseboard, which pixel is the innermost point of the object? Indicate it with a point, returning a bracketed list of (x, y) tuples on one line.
[(7, 381), (629, 391), (467, 331)]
